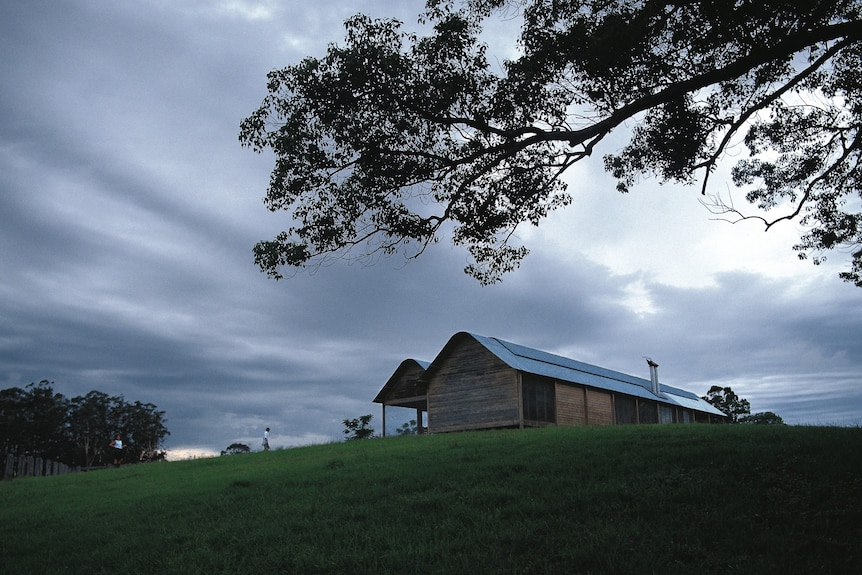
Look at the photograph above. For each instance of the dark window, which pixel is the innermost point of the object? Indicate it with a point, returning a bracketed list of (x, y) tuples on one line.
[(538, 400), (625, 409), (647, 411), (666, 413)]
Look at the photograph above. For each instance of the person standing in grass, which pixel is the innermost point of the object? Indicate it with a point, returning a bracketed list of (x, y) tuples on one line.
[(266, 440), (117, 446)]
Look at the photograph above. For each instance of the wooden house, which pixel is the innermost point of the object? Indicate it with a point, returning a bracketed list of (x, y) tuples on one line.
[(479, 382)]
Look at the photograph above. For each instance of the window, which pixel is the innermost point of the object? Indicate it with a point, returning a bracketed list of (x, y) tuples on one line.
[(665, 413), (625, 409), (538, 398), (647, 412)]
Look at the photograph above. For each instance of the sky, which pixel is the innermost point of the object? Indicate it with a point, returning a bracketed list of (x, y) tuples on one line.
[(128, 213)]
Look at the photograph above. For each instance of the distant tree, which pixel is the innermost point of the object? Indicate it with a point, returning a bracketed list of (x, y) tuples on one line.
[(90, 427), (38, 421), (13, 421), (392, 139), (48, 420), (236, 448), (142, 426), (409, 428), (725, 400), (358, 428), (96, 417), (762, 418), (34, 421)]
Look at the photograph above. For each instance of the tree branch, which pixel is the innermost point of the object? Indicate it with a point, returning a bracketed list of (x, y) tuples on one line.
[(749, 112)]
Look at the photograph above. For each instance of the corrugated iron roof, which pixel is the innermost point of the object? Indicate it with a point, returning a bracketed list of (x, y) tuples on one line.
[(537, 362)]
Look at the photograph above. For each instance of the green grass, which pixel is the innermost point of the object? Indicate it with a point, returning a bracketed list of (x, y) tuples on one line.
[(651, 499)]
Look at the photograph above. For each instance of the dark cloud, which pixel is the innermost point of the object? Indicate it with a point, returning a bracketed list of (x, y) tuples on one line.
[(128, 212)]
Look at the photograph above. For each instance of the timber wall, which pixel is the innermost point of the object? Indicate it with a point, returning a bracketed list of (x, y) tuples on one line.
[(600, 408), (472, 389), (579, 405), (571, 405)]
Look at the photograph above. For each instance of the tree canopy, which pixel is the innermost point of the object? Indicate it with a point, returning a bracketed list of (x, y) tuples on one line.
[(763, 418), (725, 400), (40, 422), (358, 428), (391, 139)]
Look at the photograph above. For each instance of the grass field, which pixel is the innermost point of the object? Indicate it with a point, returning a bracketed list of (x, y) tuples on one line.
[(626, 499)]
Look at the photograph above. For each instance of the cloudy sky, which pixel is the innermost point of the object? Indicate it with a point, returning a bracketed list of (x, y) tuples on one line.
[(128, 212)]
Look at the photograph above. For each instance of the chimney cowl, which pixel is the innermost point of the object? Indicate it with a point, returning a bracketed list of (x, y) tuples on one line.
[(653, 373)]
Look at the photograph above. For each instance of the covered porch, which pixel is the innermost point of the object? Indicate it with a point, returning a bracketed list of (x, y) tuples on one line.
[(405, 390)]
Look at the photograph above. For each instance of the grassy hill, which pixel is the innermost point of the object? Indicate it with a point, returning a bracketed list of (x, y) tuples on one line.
[(648, 499)]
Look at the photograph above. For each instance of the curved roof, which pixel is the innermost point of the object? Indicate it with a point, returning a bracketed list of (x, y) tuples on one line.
[(542, 363), (404, 367)]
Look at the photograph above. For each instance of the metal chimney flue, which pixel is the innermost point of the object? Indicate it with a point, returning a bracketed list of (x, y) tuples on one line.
[(653, 375)]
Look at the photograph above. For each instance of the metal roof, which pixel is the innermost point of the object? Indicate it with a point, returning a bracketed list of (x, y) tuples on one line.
[(537, 362)]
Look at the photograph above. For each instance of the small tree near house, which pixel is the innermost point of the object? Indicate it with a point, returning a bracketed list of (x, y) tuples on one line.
[(358, 428), (408, 428)]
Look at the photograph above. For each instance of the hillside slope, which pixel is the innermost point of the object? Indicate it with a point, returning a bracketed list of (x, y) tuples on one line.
[(649, 499)]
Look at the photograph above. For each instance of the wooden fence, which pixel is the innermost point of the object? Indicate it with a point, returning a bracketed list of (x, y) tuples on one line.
[(29, 466)]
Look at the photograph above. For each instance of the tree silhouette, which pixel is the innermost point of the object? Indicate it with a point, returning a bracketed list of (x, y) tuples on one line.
[(725, 400), (358, 428), (393, 139)]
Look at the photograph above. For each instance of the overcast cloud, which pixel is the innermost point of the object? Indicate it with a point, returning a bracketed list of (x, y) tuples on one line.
[(128, 211)]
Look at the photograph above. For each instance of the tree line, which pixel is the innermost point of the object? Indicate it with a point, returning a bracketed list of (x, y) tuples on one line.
[(738, 409), (40, 422)]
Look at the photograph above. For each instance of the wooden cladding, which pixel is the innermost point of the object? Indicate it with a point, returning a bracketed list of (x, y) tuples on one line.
[(600, 409), (472, 389), (577, 405), (571, 405)]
